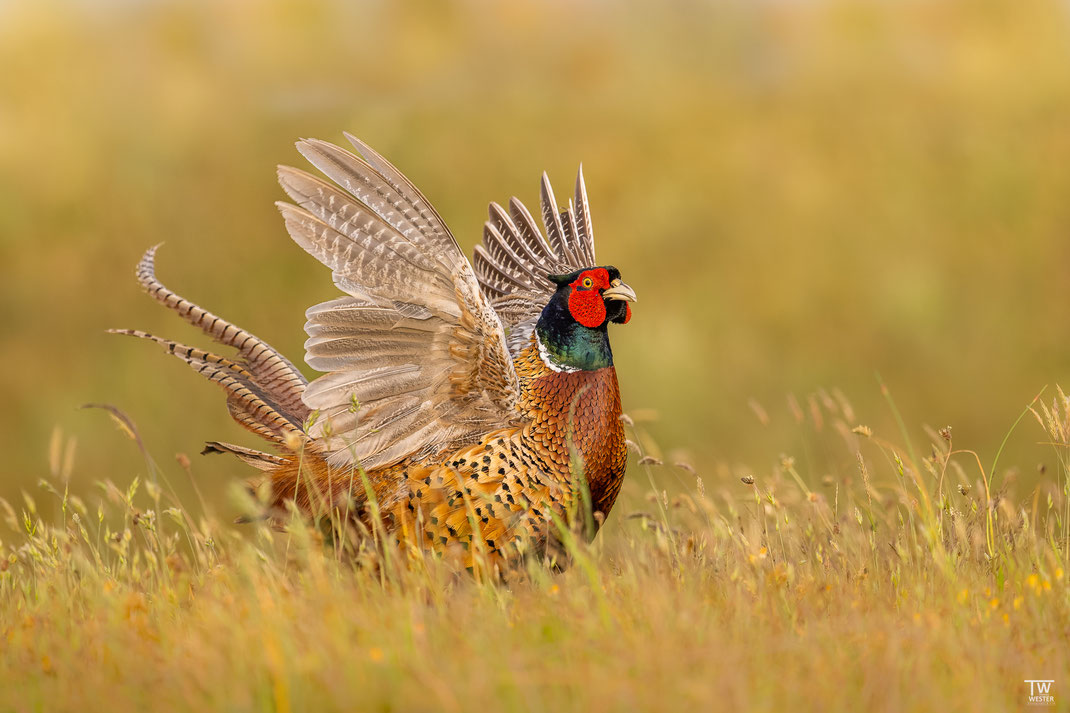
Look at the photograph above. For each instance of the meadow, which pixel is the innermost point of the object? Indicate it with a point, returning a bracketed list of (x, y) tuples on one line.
[(939, 590), (847, 225)]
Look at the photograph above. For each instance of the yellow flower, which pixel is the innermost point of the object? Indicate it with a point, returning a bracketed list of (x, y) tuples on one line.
[(375, 654)]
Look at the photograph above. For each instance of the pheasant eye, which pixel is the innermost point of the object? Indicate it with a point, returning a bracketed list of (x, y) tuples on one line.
[(587, 283)]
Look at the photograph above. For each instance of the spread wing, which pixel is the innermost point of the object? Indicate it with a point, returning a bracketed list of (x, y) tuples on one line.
[(416, 359), (514, 259)]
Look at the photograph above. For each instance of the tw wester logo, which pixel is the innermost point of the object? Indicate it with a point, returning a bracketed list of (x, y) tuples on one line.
[(1040, 692)]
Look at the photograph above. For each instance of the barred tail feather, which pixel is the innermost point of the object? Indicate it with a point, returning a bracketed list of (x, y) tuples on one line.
[(249, 406), (271, 372)]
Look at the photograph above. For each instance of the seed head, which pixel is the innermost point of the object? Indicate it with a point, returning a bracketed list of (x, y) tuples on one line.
[(293, 440)]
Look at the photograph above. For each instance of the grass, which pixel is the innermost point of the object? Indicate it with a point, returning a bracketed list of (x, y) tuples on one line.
[(880, 583)]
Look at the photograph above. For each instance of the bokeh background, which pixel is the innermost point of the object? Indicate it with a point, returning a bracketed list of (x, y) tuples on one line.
[(802, 193)]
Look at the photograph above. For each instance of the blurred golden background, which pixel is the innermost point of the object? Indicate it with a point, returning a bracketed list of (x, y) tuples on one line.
[(802, 194)]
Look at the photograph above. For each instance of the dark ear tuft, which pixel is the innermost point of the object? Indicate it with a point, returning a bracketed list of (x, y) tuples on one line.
[(560, 279)]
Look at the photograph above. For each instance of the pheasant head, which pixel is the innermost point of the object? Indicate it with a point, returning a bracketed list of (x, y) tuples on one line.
[(573, 328)]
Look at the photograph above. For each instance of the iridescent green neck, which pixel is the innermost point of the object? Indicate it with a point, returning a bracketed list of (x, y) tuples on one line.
[(566, 345)]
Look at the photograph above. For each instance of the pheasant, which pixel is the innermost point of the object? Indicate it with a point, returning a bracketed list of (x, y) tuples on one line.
[(470, 407)]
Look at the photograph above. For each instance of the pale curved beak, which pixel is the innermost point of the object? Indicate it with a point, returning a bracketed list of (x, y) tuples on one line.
[(619, 291)]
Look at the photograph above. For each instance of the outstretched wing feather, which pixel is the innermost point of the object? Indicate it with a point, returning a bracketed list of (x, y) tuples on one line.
[(514, 260), (583, 220), (417, 360)]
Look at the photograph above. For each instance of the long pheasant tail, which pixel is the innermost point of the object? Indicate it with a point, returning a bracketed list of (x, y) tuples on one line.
[(269, 370), (263, 388), (247, 404)]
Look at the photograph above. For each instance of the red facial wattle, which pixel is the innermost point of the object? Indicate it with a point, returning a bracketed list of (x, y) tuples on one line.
[(585, 302), (627, 313), (587, 308)]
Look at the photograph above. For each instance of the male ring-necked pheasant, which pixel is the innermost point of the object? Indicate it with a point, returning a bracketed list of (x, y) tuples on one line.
[(479, 399)]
